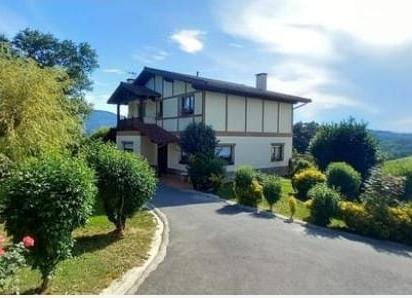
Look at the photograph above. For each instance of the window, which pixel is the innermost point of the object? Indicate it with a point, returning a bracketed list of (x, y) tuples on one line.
[(226, 152), (184, 157), (188, 103), (277, 152), (127, 146), (160, 109)]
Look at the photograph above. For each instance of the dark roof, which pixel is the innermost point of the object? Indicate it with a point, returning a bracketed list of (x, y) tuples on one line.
[(126, 91), (155, 133), (201, 83)]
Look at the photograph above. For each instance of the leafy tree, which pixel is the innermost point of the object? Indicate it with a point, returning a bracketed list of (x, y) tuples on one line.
[(198, 138), (347, 141), (125, 181), (47, 199), (78, 60), (35, 113), (302, 133)]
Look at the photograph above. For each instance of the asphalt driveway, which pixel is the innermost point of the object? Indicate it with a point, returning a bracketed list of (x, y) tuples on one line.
[(217, 248)]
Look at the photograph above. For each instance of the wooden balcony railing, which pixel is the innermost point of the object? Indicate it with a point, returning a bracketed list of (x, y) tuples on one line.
[(129, 123)]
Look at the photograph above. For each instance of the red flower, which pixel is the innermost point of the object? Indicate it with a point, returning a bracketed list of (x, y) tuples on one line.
[(2, 251), (28, 242)]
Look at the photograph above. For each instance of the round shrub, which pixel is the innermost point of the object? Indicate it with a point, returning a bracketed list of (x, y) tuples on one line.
[(344, 178), (301, 164), (125, 182), (47, 199), (272, 190), (324, 204), (247, 189), (198, 138), (203, 169), (303, 181)]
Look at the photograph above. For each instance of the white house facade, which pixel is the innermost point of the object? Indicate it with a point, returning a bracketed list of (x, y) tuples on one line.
[(254, 126)]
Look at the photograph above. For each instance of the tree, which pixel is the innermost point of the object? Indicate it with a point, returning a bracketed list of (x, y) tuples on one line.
[(198, 138), (302, 133), (35, 113), (347, 141)]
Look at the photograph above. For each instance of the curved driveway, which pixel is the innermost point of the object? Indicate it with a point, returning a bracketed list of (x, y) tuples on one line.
[(216, 248)]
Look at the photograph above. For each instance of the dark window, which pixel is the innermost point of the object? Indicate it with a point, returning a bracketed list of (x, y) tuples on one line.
[(188, 103), (184, 157), (127, 146), (277, 152), (160, 109), (226, 152)]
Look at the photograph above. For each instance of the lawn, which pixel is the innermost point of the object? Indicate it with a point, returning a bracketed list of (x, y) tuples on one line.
[(401, 167), (281, 207), (99, 256)]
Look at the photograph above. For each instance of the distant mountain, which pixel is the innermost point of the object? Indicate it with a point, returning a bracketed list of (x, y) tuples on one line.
[(395, 145), (98, 119)]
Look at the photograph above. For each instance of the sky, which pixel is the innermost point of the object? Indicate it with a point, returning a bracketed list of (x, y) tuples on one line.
[(351, 57)]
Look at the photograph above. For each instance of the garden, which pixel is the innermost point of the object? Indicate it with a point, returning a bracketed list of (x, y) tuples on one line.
[(72, 215), (339, 181)]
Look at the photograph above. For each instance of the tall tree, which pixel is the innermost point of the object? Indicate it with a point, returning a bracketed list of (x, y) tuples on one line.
[(35, 113), (302, 133), (77, 60)]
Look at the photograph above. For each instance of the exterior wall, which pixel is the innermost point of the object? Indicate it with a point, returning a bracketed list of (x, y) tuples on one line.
[(215, 110), (236, 117), (254, 115), (129, 136), (149, 151), (173, 158), (256, 151)]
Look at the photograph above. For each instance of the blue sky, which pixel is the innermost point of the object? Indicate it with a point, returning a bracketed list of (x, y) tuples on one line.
[(351, 57)]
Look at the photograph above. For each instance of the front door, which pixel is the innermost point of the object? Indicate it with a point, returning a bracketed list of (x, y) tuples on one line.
[(162, 159)]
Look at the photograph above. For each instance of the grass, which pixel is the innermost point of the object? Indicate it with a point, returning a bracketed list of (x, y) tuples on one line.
[(99, 256), (282, 206), (401, 167)]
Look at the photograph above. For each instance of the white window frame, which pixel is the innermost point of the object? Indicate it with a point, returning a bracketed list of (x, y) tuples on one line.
[(281, 156)]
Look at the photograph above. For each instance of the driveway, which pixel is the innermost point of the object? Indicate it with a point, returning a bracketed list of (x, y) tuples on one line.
[(217, 248)]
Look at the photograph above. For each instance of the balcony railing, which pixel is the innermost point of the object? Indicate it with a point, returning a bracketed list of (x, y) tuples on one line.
[(129, 123)]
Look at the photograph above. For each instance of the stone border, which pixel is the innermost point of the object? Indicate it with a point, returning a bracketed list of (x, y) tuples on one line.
[(130, 282)]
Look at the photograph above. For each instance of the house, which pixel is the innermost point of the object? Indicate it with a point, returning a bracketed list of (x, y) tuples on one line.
[(253, 125)]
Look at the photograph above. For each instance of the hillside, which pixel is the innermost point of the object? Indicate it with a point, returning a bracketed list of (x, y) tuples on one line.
[(396, 145), (98, 119)]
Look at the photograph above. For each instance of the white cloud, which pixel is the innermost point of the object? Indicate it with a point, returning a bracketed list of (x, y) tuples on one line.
[(114, 71), (150, 55), (307, 27), (190, 41)]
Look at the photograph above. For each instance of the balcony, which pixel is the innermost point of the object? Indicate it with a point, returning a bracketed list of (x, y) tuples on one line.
[(129, 123)]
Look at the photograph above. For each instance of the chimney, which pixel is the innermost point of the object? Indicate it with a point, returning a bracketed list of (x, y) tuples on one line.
[(130, 81), (261, 80)]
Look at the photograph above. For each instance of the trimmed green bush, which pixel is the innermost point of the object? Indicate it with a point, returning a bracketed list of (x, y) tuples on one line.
[(344, 178), (324, 204), (47, 199), (347, 141), (394, 223), (125, 182), (247, 189), (302, 164), (272, 190), (303, 181), (198, 138), (204, 169)]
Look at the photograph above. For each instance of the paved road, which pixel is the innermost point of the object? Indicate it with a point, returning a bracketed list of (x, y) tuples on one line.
[(216, 248)]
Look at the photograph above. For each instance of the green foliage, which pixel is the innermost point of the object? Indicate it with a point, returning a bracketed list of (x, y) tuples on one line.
[(344, 178), (382, 190), (10, 262), (300, 165), (125, 182), (348, 141), (77, 60), (47, 199), (100, 134), (247, 189), (203, 170), (395, 223), (272, 190), (394, 145), (324, 204), (6, 166), (303, 132), (35, 115), (198, 138), (403, 168), (303, 181)]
